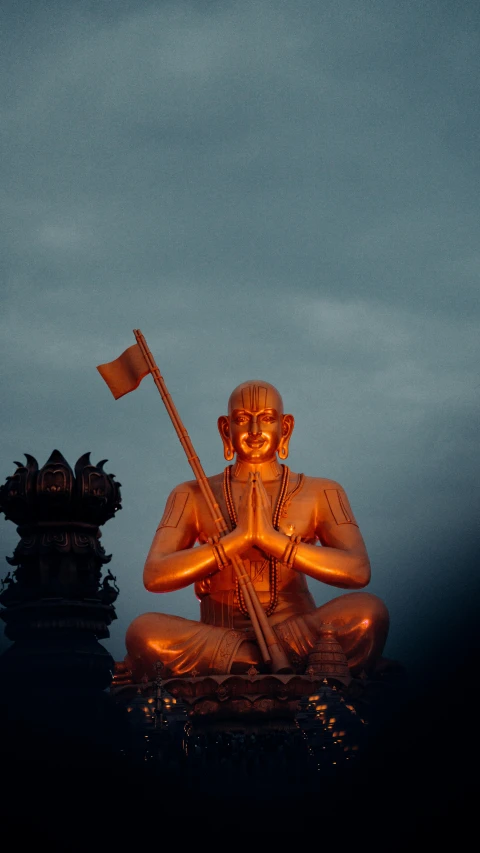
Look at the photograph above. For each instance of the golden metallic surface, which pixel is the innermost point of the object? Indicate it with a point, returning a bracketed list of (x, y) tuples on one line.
[(314, 511)]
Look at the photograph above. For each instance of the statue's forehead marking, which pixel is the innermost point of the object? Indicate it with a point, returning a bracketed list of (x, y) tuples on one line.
[(254, 397)]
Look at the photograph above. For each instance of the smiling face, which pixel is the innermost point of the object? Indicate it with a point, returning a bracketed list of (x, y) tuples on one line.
[(256, 424)]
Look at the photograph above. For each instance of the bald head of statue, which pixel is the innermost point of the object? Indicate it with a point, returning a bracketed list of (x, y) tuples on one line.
[(256, 428)]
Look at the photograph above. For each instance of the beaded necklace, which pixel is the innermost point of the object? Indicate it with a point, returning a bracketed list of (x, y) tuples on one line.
[(272, 575)]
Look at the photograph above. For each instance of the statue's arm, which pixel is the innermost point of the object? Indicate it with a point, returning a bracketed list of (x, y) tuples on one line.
[(172, 562), (343, 560)]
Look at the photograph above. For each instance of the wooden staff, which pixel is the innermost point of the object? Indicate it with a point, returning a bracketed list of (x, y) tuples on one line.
[(270, 648)]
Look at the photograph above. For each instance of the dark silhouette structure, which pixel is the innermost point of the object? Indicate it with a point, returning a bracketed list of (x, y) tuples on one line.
[(56, 605)]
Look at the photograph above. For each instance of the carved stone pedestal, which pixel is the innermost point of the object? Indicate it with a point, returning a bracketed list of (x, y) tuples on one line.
[(240, 698)]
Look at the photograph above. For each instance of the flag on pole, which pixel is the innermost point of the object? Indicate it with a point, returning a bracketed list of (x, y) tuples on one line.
[(126, 372)]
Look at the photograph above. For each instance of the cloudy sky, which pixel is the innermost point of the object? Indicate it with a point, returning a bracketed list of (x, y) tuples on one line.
[(283, 190)]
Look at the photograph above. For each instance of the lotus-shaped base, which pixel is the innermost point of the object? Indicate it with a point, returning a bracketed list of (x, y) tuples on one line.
[(240, 696)]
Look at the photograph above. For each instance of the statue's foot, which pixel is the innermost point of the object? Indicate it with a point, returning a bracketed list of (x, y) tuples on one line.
[(121, 674)]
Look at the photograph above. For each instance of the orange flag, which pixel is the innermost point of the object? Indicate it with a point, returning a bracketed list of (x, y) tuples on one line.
[(126, 372)]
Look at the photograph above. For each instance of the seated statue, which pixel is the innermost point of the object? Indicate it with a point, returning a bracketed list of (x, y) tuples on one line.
[(285, 527)]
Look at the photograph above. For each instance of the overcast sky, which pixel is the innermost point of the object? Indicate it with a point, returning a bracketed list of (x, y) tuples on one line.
[(281, 190)]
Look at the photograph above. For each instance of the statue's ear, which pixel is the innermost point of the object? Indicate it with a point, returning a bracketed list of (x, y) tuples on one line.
[(224, 430), (287, 429)]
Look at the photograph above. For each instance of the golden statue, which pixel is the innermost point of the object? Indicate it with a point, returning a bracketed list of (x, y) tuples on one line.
[(276, 520), (257, 528)]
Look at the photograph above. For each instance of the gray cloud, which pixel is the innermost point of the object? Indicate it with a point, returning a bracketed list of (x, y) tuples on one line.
[(285, 190)]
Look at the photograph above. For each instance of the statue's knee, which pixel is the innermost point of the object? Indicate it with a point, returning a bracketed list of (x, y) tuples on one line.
[(379, 611), (375, 618), (139, 629), (369, 607)]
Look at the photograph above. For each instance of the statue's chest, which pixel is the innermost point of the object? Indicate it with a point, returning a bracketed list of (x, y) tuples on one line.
[(298, 518), (295, 515)]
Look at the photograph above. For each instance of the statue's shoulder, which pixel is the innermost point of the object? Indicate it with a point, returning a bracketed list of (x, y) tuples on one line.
[(187, 487), (320, 484), (330, 500), (192, 488), (321, 491)]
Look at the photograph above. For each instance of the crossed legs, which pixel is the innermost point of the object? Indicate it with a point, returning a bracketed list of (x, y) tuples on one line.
[(359, 619)]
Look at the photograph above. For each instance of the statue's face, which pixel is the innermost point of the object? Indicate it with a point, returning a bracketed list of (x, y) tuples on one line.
[(256, 417)]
